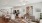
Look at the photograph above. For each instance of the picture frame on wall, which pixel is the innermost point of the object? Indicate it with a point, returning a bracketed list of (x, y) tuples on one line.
[(38, 10), (40, 15), (29, 9)]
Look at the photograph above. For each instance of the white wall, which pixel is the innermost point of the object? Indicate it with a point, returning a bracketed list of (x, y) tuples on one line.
[(37, 5), (21, 8), (7, 9)]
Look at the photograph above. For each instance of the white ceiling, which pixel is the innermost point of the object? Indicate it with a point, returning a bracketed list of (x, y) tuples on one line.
[(17, 2)]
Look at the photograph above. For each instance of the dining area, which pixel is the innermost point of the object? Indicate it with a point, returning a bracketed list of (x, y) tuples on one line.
[(17, 14), (17, 20)]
